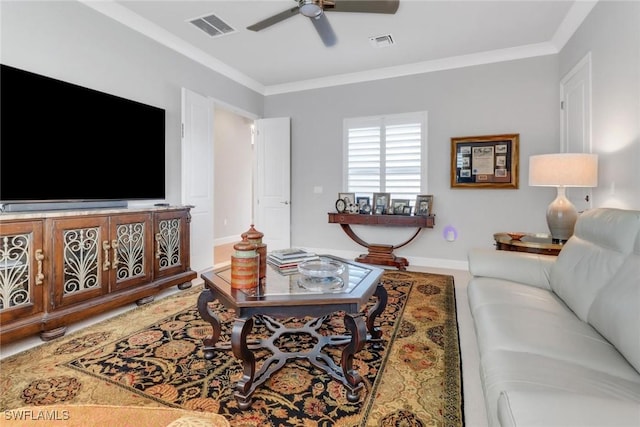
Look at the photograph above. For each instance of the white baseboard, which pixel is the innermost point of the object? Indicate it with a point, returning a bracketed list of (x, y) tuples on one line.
[(415, 261)]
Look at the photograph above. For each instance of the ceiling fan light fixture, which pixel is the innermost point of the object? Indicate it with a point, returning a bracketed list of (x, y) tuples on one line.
[(309, 9)]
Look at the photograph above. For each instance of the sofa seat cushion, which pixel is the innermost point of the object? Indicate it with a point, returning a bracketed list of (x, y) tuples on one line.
[(482, 291), (557, 337), (509, 371), (545, 409)]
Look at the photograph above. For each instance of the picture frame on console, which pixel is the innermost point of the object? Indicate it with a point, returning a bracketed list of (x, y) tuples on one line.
[(399, 205), (363, 202), (424, 205), (381, 203), (349, 198)]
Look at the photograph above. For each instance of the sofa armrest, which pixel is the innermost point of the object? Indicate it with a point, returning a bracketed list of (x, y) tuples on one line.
[(527, 268), (557, 408)]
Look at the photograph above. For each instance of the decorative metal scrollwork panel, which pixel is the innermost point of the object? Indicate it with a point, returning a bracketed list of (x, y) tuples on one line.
[(14, 271), (130, 259), (81, 250), (168, 243)]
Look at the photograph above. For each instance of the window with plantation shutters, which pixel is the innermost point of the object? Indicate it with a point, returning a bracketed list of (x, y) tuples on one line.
[(386, 154)]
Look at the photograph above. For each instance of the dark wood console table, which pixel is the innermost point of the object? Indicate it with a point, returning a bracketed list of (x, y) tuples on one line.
[(530, 242), (381, 254)]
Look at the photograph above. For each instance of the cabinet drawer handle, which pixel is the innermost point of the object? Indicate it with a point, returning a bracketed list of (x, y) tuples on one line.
[(39, 275), (114, 245), (105, 248)]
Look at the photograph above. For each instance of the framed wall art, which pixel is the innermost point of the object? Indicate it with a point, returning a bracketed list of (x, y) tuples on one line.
[(485, 161)]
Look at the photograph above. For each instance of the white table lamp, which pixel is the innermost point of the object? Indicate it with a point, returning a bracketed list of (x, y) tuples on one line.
[(563, 170)]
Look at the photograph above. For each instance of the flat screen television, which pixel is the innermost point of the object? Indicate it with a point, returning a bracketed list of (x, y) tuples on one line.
[(60, 142)]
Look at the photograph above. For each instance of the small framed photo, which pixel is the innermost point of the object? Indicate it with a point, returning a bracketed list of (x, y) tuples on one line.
[(363, 202), (407, 210), (399, 205), (381, 200), (349, 198), (379, 210), (424, 205)]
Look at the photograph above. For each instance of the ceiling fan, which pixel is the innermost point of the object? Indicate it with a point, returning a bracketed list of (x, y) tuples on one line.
[(315, 9)]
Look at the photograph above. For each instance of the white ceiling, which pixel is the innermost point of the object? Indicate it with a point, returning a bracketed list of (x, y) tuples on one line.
[(429, 35)]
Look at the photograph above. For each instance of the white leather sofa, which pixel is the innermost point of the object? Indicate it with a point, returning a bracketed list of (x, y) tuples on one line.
[(559, 337)]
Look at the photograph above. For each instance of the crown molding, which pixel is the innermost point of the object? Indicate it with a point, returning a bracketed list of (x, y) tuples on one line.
[(571, 22), (136, 22), (501, 55)]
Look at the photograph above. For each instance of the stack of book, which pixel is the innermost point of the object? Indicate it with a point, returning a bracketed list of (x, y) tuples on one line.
[(286, 261)]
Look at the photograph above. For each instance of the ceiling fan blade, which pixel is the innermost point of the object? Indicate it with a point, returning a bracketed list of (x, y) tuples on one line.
[(274, 19), (324, 29), (365, 6)]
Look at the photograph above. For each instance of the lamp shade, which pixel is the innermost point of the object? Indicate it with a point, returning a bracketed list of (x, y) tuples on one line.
[(563, 170)]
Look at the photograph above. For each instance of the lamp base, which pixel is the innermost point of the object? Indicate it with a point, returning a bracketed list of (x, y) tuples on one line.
[(561, 217)]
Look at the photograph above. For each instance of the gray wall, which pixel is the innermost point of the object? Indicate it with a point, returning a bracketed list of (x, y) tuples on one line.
[(70, 41), (510, 97), (611, 33)]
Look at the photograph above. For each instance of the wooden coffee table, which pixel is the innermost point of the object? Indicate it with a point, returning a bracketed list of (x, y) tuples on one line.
[(283, 297)]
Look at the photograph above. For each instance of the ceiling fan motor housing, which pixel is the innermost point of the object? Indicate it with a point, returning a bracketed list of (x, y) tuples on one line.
[(310, 9)]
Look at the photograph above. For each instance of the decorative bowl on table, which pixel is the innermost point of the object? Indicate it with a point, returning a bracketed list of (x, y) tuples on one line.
[(322, 275), (516, 235)]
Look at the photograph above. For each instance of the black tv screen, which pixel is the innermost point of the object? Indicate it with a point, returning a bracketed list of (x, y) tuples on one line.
[(63, 142)]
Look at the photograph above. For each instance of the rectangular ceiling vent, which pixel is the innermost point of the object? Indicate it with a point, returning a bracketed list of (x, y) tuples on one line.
[(213, 25), (381, 41)]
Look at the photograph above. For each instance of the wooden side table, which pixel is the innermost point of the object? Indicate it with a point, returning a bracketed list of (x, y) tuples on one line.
[(381, 254), (536, 243)]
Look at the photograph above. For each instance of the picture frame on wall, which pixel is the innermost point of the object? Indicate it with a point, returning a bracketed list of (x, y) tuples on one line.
[(424, 205), (489, 161), (381, 202)]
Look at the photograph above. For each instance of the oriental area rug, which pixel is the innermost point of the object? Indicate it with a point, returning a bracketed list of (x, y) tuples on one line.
[(152, 356)]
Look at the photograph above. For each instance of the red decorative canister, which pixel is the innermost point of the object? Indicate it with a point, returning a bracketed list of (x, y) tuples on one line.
[(254, 236), (245, 263)]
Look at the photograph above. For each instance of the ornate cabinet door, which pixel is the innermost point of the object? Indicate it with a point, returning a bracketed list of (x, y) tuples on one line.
[(21, 270), (82, 258), (131, 249), (171, 241)]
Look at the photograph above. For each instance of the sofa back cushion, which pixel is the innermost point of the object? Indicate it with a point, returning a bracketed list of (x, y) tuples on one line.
[(615, 312), (602, 240)]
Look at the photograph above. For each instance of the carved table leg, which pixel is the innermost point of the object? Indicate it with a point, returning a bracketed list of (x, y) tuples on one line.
[(206, 296), (354, 324), (381, 303), (244, 387)]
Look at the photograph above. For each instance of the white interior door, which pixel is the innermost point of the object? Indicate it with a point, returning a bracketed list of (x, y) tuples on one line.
[(273, 181), (575, 122), (197, 175)]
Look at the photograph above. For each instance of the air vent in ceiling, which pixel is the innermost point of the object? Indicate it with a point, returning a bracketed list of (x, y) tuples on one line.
[(381, 41), (212, 25)]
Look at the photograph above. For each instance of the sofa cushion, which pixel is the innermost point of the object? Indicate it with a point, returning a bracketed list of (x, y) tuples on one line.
[(602, 240), (615, 312), (540, 325), (512, 371), (553, 408)]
